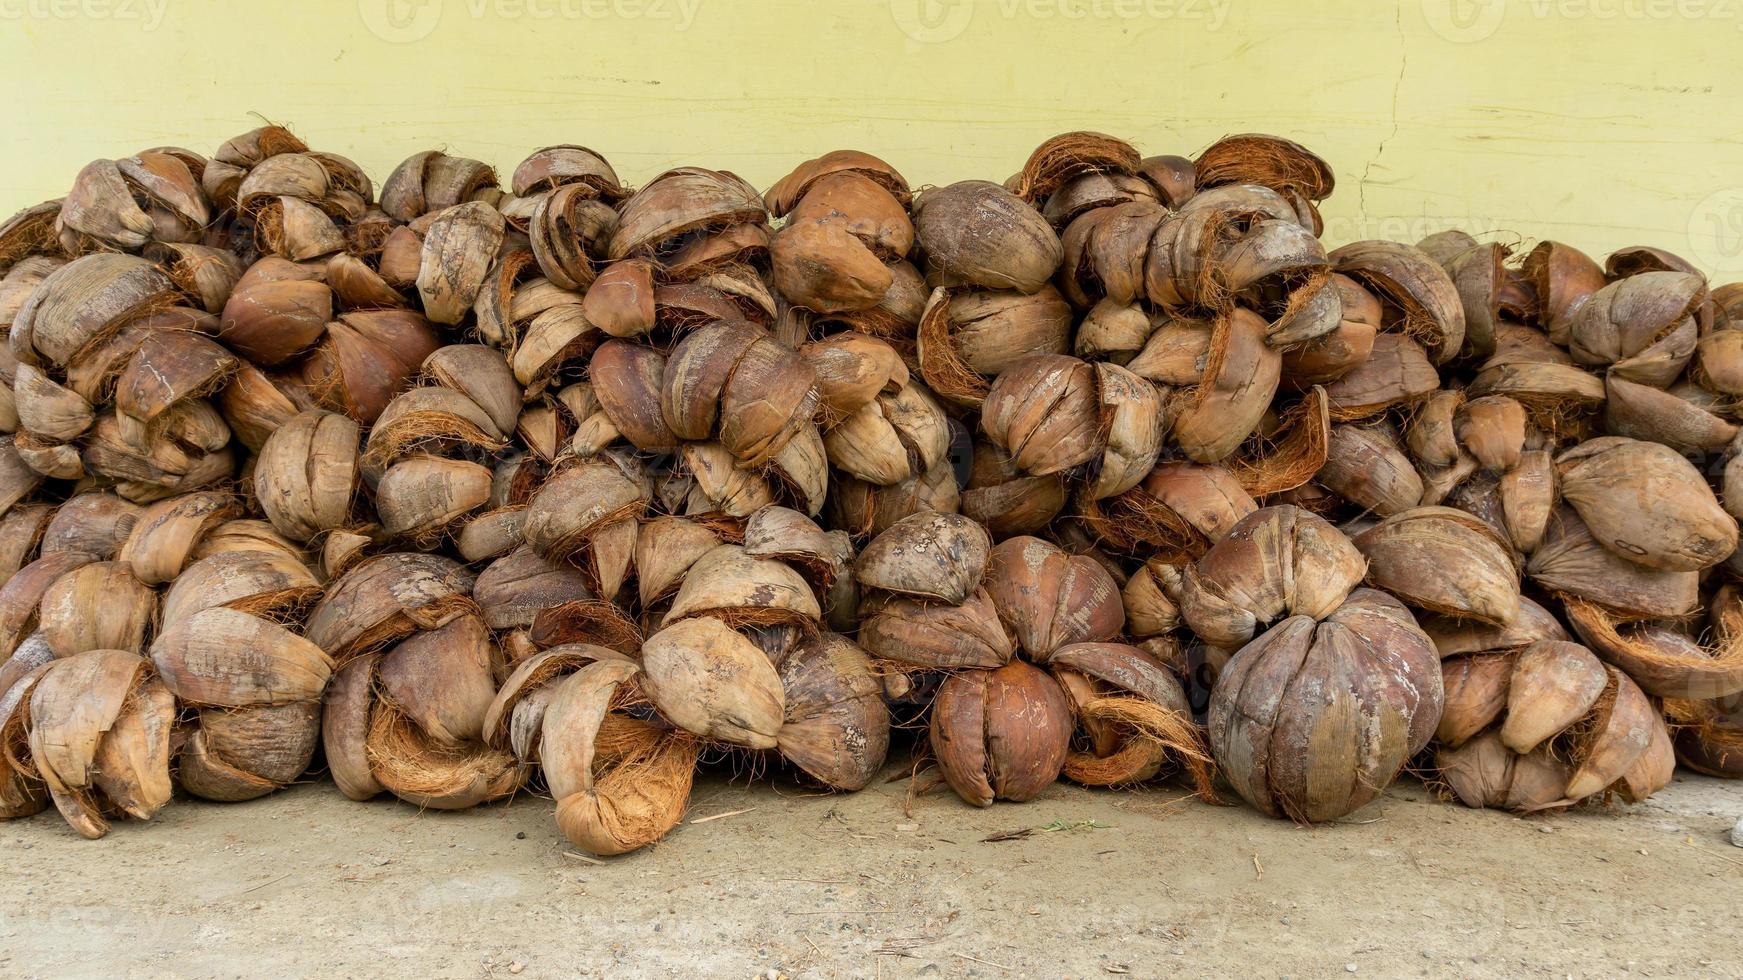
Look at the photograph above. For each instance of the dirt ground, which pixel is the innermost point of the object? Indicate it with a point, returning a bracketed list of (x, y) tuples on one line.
[(766, 880)]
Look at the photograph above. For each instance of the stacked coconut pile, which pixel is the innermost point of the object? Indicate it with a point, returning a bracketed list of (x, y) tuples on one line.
[(462, 488)]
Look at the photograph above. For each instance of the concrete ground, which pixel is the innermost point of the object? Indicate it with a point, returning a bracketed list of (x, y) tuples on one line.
[(770, 880)]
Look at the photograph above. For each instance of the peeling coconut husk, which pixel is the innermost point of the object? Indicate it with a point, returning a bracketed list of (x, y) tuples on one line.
[(1344, 348), (83, 303), (1397, 372), (126, 204), (851, 370), (1642, 328), (734, 374), (1718, 361), (941, 557), (1365, 466), (1564, 278), (96, 523), (1068, 156), (433, 419), (1665, 662), (21, 596), (708, 679), (421, 497), (819, 264), (369, 356), (48, 410), (272, 585), (21, 530), (1005, 500), (968, 336), (977, 233), (1133, 723), (1444, 561), (1479, 273), (1419, 298), (1569, 729), (936, 636), (1000, 734), (1572, 560), (1180, 509), (1269, 161), (1668, 417), (718, 487), (836, 726), (1647, 503), (514, 589), (306, 474), (1289, 754), (277, 311), (386, 598), (431, 181), (795, 186), (1557, 397), (258, 688), (681, 201), (590, 621), (1149, 599), (17, 478), (1235, 388), (627, 380), (795, 539), (1113, 332), (1049, 598), (892, 438), (578, 504), (99, 738), (29, 233), (1708, 737), (97, 606), (1456, 637), (1276, 562), (727, 584), (166, 534)]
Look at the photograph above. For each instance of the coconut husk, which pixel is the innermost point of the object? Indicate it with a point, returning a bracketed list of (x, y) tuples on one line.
[(727, 584), (688, 199), (942, 557), (1688, 419), (1647, 503), (1237, 384), (271, 584), (1572, 560), (1563, 278), (99, 737), (1445, 561), (836, 726), (1132, 719), (166, 534), (1275, 562), (1397, 372), (977, 233), (421, 497), (1000, 734), (864, 509), (1049, 598), (306, 474), (383, 599), (635, 785), (935, 636), (1178, 511), (1281, 754), (95, 523), (1642, 328), (892, 438), (1663, 661), (708, 679), (513, 590), (97, 606)]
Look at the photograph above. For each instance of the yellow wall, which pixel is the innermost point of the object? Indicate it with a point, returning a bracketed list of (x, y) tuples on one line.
[(1600, 122)]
